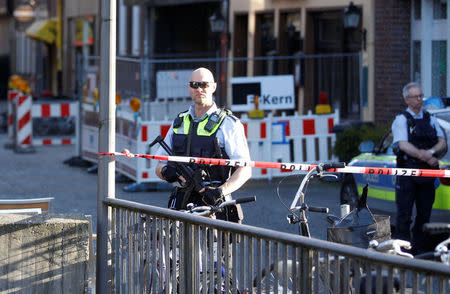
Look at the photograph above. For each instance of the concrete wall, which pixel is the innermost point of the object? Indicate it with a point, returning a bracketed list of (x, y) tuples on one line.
[(44, 253)]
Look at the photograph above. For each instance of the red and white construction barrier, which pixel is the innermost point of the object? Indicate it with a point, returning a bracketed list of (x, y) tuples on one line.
[(56, 109), (288, 166), (306, 138), (45, 109), (23, 124)]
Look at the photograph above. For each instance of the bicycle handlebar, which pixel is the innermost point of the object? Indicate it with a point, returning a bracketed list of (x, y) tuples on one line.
[(245, 200), (318, 169), (426, 255), (318, 209), (330, 165), (436, 228), (207, 210)]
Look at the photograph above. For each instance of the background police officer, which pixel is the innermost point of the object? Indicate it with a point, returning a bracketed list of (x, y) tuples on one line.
[(418, 139), (206, 131)]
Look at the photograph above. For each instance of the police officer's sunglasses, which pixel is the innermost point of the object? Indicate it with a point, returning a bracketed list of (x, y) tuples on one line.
[(196, 85)]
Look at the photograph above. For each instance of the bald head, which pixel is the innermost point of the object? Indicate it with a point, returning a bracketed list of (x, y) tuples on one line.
[(202, 75), (202, 87)]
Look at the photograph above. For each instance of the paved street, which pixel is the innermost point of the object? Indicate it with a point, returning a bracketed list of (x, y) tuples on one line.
[(43, 174)]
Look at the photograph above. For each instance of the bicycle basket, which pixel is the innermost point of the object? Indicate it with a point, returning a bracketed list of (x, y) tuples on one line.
[(360, 236), (360, 226)]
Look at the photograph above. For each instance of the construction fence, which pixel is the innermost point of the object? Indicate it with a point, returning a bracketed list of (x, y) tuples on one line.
[(161, 85), (164, 81)]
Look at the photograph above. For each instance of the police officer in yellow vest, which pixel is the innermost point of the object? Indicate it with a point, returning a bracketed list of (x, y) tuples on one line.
[(206, 131)]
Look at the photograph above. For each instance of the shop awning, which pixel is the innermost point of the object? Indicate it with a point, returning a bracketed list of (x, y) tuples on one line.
[(42, 30)]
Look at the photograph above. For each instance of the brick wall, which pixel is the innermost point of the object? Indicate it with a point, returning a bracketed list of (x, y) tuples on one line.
[(392, 57)]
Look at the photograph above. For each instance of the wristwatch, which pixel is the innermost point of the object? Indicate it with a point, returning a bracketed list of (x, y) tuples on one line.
[(432, 151)]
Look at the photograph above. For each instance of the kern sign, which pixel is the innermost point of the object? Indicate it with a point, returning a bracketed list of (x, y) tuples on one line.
[(274, 92)]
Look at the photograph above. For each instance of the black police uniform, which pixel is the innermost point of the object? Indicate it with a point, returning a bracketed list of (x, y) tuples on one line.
[(198, 139), (418, 190)]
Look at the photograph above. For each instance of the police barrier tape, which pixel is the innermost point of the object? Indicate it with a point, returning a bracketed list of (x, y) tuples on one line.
[(290, 166), (294, 138)]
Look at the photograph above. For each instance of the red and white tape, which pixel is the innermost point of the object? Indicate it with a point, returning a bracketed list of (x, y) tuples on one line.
[(291, 166)]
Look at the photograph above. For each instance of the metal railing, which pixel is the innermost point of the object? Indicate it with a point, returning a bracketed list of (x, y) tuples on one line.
[(156, 250)]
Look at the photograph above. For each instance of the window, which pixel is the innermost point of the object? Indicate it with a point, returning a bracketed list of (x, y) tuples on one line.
[(417, 9), (439, 9), (439, 68), (416, 52)]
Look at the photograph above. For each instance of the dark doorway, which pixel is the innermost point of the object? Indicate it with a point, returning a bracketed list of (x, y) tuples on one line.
[(265, 44), (240, 44), (184, 31), (337, 75), (289, 42)]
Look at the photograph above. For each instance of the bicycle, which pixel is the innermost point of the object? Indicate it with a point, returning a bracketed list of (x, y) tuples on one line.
[(270, 282), (440, 253), (161, 271)]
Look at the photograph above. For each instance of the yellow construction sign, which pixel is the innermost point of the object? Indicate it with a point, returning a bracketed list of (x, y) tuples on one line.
[(42, 30)]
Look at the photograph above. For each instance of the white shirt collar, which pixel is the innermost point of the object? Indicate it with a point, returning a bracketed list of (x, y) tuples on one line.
[(417, 116), (211, 110)]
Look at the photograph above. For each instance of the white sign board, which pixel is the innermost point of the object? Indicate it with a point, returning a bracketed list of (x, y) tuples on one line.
[(172, 83), (274, 92)]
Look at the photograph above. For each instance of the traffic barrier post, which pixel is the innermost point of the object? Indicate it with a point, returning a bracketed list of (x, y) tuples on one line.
[(23, 124)]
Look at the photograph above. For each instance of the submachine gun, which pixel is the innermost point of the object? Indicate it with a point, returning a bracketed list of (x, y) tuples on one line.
[(194, 178)]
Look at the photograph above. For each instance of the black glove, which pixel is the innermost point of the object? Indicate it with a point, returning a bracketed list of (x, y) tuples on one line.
[(213, 196), (170, 173)]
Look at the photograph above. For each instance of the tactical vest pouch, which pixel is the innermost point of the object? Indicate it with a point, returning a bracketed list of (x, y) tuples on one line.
[(177, 122)]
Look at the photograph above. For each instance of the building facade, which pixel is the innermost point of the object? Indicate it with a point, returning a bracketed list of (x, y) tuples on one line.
[(362, 69)]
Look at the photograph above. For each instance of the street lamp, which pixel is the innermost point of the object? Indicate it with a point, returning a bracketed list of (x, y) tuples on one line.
[(351, 16), (23, 13), (217, 22)]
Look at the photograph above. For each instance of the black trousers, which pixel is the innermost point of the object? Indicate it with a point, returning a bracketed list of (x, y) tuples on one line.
[(410, 191)]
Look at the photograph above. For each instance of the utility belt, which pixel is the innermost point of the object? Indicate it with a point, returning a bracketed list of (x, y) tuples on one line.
[(405, 161), (180, 197)]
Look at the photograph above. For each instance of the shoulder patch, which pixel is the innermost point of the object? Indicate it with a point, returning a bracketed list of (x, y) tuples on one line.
[(179, 119), (230, 114)]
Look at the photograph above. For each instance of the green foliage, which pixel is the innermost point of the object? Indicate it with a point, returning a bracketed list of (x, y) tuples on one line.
[(347, 141)]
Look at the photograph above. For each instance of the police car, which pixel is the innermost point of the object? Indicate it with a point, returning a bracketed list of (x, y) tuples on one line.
[(381, 191)]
